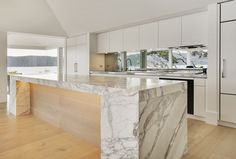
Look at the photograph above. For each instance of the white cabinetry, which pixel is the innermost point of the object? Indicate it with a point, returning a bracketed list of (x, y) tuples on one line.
[(227, 52), (194, 29), (228, 11), (228, 56), (148, 38), (170, 32), (131, 39), (116, 41), (199, 97), (228, 108), (78, 55), (103, 43)]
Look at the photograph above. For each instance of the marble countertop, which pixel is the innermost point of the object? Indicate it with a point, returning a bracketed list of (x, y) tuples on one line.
[(177, 74), (96, 84)]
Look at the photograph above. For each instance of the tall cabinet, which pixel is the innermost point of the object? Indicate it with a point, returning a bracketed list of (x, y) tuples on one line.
[(227, 58)]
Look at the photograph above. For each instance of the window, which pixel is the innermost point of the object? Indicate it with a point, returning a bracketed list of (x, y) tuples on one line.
[(157, 59), (27, 61), (133, 60), (179, 58), (191, 57), (199, 58)]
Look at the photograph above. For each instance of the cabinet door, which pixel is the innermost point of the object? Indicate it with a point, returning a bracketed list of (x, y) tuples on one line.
[(199, 101), (228, 11), (102, 43), (194, 29), (116, 41), (148, 38), (131, 39), (72, 60), (228, 108), (170, 32), (228, 56)]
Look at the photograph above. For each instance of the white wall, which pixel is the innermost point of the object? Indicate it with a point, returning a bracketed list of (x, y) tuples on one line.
[(3, 67), (213, 68), (78, 52)]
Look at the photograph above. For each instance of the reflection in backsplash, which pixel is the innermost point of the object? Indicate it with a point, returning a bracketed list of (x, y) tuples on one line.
[(161, 59), (111, 62)]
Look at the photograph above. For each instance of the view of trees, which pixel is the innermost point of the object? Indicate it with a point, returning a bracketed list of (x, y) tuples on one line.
[(160, 59)]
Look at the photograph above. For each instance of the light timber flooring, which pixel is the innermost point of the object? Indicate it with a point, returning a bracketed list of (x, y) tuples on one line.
[(210, 142), (30, 138)]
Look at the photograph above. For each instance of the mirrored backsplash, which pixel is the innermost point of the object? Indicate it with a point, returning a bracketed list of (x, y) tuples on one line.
[(162, 59)]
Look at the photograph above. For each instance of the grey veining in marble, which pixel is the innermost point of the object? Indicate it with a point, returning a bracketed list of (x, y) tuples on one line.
[(141, 118)]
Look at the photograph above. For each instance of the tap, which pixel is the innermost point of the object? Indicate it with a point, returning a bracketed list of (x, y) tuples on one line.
[(119, 66), (130, 61)]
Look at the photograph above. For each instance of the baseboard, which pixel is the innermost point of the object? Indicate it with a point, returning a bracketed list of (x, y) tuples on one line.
[(190, 116), (211, 118), (227, 124)]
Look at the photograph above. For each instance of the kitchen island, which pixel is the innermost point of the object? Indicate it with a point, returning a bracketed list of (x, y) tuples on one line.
[(126, 117)]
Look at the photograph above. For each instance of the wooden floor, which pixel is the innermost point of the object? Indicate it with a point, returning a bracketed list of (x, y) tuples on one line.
[(30, 138), (210, 142)]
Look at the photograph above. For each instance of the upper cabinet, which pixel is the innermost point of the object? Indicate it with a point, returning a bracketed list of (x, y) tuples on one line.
[(103, 43), (194, 29), (116, 41), (148, 36), (170, 33), (131, 39), (175, 32), (228, 11)]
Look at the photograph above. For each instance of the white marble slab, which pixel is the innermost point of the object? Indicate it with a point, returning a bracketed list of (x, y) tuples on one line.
[(141, 118)]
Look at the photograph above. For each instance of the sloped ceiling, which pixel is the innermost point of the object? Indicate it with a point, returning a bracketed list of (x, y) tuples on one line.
[(80, 16), (29, 16)]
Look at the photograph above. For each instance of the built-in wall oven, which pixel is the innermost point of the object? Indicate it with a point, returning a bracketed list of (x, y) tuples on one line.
[(190, 92)]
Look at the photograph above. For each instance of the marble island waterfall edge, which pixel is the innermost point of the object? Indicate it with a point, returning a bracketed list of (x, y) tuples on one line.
[(148, 123)]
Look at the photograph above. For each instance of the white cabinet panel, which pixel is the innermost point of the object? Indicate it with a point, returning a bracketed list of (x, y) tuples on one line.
[(103, 43), (199, 101), (194, 29), (228, 56), (148, 38), (170, 32), (131, 39), (116, 41), (228, 11), (72, 59), (199, 82), (228, 108)]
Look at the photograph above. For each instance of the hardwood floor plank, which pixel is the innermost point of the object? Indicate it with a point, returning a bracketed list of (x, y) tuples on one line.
[(28, 137), (31, 138)]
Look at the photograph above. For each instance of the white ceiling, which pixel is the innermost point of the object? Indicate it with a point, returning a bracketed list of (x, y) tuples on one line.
[(29, 16), (31, 41), (80, 16)]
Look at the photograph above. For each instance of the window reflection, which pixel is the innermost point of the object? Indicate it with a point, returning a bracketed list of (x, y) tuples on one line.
[(133, 60), (157, 59)]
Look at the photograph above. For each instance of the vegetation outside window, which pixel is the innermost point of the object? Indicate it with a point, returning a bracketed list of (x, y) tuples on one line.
[(199, 58), (157, 59), (133, 60), (179, 59)]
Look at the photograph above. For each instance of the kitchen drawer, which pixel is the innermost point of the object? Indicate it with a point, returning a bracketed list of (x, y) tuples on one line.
[(228, 108), (199, 82), (228, 11)]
